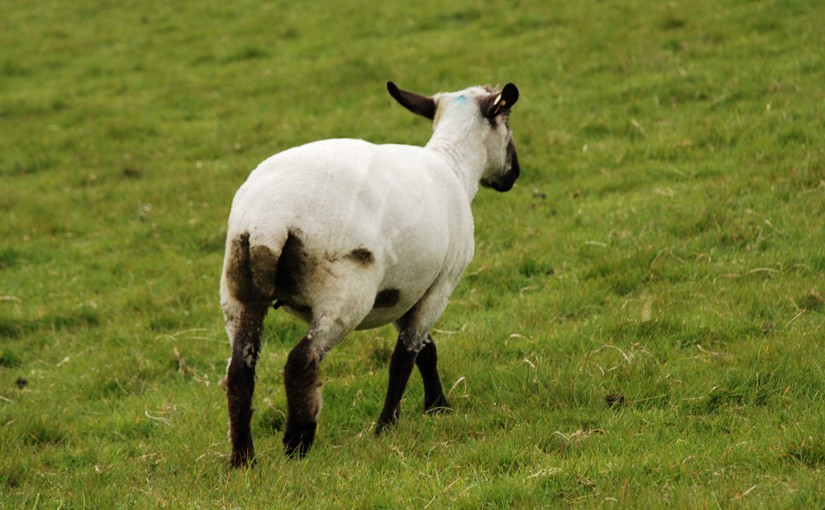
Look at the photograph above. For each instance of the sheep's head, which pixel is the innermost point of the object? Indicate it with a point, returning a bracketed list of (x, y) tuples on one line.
[(491, 117), (503, 168)]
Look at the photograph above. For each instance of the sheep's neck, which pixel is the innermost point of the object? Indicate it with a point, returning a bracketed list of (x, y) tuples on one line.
[(464, 152)]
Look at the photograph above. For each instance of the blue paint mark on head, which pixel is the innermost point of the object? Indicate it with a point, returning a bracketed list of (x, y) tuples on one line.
[(460, 99)]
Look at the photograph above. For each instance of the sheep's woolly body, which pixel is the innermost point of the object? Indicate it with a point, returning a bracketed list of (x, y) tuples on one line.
[(403, 205)]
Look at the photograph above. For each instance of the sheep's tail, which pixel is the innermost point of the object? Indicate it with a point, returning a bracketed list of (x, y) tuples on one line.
[(250, 268)]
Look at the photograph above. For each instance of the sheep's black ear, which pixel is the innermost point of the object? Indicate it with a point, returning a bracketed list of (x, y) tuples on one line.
[(416, 103), (501, 102)]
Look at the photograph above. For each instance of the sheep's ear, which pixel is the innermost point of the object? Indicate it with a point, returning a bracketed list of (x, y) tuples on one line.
[(501, 102), (416, 103)]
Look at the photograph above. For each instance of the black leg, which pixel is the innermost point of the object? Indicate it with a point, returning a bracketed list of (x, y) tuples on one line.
[(427, 362), (240, 382), (303, 398), (401, 366)]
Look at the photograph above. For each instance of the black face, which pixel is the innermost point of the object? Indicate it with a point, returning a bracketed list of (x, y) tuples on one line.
[(505, 181)]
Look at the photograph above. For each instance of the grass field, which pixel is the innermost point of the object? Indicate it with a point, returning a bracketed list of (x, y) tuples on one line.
[(664, 249)]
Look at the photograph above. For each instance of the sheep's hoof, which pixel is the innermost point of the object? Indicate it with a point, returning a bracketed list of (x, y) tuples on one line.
[(387, 420), (242, 457), (437, 405), (298, 439), (381, 426)]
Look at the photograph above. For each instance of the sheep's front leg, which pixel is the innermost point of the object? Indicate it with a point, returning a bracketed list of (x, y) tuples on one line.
[(244, 325), (427, 362), (401, 365), (416, 346)]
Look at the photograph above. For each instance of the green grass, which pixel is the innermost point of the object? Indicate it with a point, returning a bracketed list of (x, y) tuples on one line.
[(665, 243)]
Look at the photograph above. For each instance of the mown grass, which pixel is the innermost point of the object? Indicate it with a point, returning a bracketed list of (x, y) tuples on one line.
[(664, 250)]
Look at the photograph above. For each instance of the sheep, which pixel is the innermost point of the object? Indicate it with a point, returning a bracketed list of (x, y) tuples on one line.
[(349, 235)]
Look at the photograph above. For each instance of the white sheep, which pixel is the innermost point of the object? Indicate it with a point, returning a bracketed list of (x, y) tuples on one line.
[(348, 235)]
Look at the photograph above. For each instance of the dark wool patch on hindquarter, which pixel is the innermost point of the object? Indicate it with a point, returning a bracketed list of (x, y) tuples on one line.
[(293, 266), (387, 298), (238, 273), (362, 256), (264, 264), (250, 272)]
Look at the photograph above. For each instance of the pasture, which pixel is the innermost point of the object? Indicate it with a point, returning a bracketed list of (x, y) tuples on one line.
[(643, 324)]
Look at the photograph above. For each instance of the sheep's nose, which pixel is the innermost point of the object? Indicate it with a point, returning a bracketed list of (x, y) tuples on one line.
[(512, 155)]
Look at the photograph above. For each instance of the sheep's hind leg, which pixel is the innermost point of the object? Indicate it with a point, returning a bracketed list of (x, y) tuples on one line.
[(303, 387), (427, 362), (244, 326), (303, 398)]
